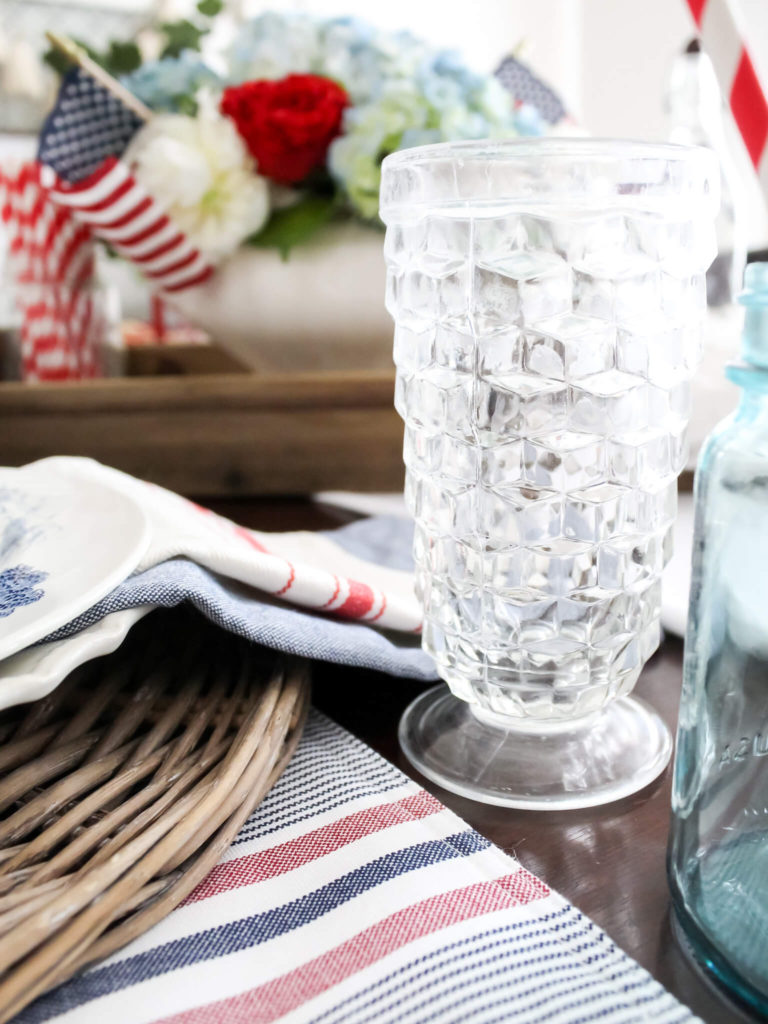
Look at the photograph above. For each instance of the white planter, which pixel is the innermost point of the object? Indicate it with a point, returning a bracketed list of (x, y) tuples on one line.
[(322, 309)]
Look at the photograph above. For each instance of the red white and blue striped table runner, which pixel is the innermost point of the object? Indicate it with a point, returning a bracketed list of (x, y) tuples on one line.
[(351, 895)]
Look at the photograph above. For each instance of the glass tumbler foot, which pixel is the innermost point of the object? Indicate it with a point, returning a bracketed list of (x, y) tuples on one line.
[(495, 759)]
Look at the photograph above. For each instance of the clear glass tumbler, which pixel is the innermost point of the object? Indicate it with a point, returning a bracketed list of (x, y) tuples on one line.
[(547, 297)]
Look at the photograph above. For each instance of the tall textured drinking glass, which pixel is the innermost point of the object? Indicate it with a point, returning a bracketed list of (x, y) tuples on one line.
[(547, 298)]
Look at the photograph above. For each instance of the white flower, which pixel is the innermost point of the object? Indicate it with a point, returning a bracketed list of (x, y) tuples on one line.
[(200, 172)]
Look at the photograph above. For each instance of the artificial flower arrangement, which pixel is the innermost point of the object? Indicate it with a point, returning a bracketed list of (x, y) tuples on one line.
[(286, 128), (186, 165)]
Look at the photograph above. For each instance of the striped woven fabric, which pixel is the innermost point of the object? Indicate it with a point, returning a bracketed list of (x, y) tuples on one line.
[(51, 227), (119, 211), (352, 896), (726, 43), (298, 567), (52, 263)]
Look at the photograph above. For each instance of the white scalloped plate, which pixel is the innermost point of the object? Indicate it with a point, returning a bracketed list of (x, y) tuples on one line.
[(36, 671), (66, 541)]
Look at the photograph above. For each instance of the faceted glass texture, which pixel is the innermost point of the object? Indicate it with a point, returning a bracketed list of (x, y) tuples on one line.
[(548, 302)]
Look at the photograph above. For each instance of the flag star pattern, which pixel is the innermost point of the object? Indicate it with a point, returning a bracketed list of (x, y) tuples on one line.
[(87, 125)]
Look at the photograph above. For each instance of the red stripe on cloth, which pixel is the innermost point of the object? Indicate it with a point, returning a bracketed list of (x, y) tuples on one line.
[(118, 192), (141, 236), (174, 267), (282, 995), (257, 867), (161, 250), (291, 580), (56, 373), (335, 593), (248, 537), (141, 207), (750, 108), (73, 247), (697, 10), (359, 601), (48, 343), (381, 610), (188, 282)]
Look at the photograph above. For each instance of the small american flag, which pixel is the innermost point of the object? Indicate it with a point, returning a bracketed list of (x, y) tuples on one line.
[(87, 125), (81, 144), (77, 192)]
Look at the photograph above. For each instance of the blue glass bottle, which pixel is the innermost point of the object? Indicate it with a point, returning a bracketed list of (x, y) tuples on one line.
[(718, 853)]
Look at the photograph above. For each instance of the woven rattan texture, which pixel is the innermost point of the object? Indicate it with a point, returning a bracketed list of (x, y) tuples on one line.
[(121, 790)]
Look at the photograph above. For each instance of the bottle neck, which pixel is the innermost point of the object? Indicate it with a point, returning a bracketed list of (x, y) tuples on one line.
[(753, 381), (753, 338), (752, 373)]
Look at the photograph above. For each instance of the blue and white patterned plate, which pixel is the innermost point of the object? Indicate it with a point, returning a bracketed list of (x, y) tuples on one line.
[(65, 542)]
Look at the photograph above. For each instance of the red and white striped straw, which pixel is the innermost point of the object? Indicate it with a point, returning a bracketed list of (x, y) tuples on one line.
[(723, 39)]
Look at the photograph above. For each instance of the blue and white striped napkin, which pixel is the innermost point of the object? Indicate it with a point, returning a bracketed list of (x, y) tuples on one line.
[(351, 896)]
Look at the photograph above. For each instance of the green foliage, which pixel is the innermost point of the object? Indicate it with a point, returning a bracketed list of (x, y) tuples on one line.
[(184, 104), (61, 63), (210, 8), (122, 58), (118, 60), (181, 35), (295, 224)]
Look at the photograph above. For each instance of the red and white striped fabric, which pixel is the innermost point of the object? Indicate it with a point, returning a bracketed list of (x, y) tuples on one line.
[(352, 896), (52, 227), (302, 568), (119, 211), (724, 40), (52, 261)]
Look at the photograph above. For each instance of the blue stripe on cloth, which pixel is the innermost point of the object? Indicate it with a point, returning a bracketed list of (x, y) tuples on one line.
[(258, 617), (448, 958), (265, 825), (617, 1008), (317, 779), (545, 956), (513, 961), (249, 931)]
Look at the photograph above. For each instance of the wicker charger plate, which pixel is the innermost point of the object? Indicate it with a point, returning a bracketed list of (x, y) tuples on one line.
[(121, 790)]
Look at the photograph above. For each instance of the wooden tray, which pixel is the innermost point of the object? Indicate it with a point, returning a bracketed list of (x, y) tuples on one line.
[(226, 434)]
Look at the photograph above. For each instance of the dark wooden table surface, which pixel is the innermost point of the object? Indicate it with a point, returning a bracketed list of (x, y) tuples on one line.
[(608, 861)]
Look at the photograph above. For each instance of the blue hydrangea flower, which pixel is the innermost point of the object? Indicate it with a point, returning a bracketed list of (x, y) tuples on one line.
[(274, 45), (403, 92), (161, 83), (18, 588)]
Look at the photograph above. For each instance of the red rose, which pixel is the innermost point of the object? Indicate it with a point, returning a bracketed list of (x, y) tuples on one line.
[(287, 125)]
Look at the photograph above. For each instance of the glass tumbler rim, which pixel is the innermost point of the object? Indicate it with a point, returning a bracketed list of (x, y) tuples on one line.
[(676, 180)]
